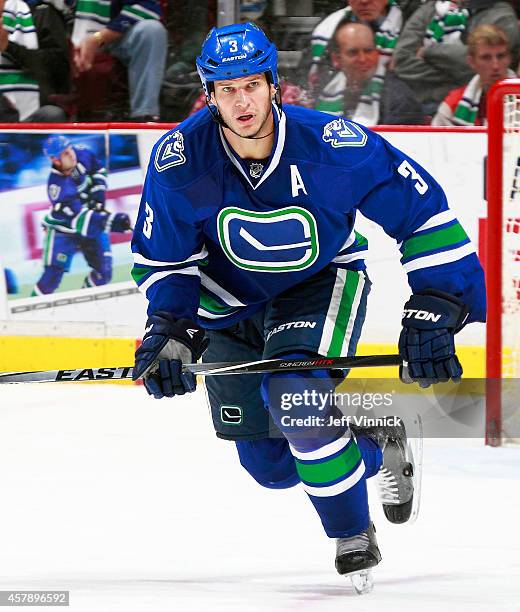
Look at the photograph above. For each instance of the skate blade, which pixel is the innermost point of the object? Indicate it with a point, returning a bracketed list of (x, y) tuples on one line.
[(362, 581), (414, 454)]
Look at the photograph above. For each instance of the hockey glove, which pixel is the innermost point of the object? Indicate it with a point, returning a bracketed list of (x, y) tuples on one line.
[(431, 319), (167, 344), (118, 222), (95, 205)]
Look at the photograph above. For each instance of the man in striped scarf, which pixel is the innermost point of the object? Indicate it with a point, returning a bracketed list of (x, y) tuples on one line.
[(131, 31), (489, 56), (431, 54), (362, 89), (384, 17)]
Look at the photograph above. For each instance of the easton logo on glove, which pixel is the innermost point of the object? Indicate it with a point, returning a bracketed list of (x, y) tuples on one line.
[(430, 321), (432, 309), (167, 344), (422, 315)]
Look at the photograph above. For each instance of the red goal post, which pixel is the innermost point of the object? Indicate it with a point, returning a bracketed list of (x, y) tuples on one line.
[(503, 263)]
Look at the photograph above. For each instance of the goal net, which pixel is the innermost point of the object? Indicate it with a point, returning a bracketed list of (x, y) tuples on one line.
[(503, 264)]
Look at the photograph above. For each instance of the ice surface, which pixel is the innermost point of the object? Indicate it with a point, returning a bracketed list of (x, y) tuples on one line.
[(133, 504)]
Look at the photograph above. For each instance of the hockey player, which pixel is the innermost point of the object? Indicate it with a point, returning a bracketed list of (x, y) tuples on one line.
[(245, 238), (77, 219)]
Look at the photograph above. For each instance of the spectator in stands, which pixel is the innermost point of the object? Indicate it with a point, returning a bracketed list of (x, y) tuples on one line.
[(384, 17), (363, 89), (499, 13), (33, 63), (132, 32), (430, 55), (489, 57)]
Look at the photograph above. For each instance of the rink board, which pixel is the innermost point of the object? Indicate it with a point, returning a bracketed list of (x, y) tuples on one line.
[(454, 157), (29, 353)]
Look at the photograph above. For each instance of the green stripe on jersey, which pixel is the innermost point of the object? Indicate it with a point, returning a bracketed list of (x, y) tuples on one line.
[(330, 106), (360, 240), (139, 13), (211, 305), (25, 21), (80, 221), (49, 220), (317, 49), (138, 273), (344, 311), (434, 240), (94, 8), (47, 250), (16, 78), (330, 470)]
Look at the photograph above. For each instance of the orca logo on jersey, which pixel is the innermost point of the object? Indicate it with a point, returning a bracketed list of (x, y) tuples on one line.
[(54, 191), (284, 240), (341, 133), (170, 152)]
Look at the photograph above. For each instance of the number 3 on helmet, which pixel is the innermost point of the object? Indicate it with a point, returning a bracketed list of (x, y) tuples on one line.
[(236, 51)]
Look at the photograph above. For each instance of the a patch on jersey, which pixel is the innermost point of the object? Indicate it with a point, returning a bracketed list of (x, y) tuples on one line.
[(170, 152), (256, 169), (231, 415), (284, 240), (54, 191), (341, 133)]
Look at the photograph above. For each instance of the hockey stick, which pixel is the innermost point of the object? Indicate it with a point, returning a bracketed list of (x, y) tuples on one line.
[(207, 369)]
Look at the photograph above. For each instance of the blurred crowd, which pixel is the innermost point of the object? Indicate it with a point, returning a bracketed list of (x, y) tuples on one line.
[(374, 61)]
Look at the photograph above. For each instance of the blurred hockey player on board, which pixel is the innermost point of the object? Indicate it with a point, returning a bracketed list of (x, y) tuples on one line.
[(77, 219), (245, 248)]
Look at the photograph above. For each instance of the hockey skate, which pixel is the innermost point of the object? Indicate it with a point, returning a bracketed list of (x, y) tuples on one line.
[(355, 556), (399, 479)]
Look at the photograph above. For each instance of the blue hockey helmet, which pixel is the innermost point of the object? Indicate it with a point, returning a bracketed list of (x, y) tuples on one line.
[(236, 51), (55, 145)]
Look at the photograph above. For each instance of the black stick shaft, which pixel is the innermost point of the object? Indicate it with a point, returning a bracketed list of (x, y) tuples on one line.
[(207, 369)]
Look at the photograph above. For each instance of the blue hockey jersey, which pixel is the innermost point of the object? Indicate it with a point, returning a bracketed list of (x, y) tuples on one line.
[(217, 237), (73, 195)]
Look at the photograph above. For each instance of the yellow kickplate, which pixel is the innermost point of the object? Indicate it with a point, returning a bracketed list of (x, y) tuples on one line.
[(30, 353)]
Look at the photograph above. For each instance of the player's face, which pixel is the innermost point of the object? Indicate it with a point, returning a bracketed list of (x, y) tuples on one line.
[(368, 10), (490, 63), (357, 55), (67, 160), (245, 104)]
